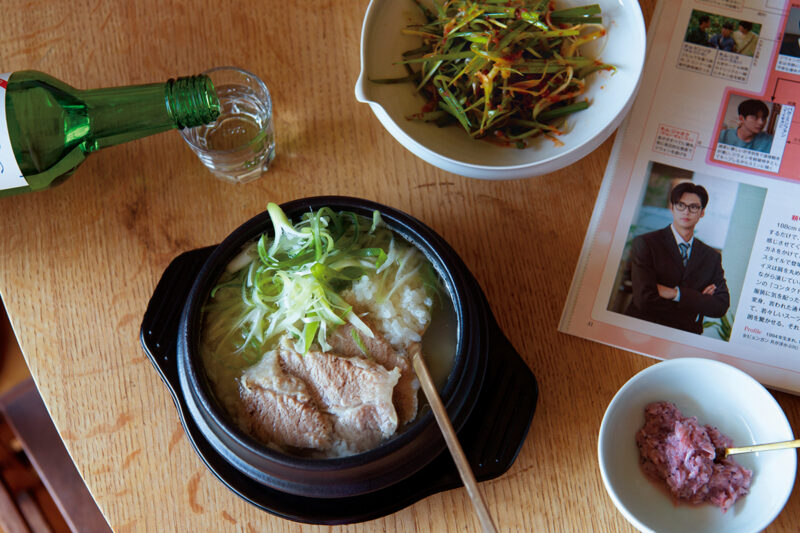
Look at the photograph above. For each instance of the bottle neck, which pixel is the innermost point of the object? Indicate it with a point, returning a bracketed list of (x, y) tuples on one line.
[(192, 101), (121, 114)]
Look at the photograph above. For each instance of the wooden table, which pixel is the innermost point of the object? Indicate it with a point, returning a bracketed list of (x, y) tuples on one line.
[(79, 262)]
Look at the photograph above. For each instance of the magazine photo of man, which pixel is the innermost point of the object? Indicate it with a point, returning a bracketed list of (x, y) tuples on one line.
[(790, 44), (699, 34), (749, 129), (723, 40), (745, 39), (676, 278)]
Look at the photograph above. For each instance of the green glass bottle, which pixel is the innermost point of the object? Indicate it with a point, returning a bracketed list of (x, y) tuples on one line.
[(47, 128)]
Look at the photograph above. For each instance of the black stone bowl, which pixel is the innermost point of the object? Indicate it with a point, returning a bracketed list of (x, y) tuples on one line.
[(490, 394)]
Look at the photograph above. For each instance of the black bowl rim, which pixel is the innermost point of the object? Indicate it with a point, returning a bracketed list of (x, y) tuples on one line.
[(413, 231)]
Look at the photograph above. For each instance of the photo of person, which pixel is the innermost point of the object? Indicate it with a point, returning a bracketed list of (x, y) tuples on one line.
[(677, 278), (687, 250), (723, 39), (723, 33), (790, 44), (745, 39), (698, 32), (746, 126)]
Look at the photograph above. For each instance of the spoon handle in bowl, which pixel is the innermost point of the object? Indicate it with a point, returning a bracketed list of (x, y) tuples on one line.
[(450, 437), (764, 447)]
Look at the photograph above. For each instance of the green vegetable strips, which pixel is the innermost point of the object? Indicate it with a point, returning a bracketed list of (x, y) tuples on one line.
[(290, 282), (505, 70)]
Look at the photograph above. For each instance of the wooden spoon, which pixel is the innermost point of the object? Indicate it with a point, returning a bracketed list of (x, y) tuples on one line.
[(439, 412), (722, 453)]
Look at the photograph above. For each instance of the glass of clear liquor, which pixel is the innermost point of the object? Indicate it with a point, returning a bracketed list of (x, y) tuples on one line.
[(240, 145)]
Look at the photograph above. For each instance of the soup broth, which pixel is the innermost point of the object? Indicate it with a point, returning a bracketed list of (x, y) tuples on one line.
[(313, 360)]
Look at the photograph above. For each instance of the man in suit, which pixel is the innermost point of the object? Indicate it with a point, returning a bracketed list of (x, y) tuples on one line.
[(678, 279)]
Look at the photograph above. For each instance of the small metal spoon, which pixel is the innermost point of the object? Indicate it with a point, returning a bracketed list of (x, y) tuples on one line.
[(722, 453)]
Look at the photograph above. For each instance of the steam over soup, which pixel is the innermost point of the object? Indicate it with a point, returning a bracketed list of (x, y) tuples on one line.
[(306, 335)]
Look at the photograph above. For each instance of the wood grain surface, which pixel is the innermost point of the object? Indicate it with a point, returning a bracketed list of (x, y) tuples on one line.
[(79, 262)]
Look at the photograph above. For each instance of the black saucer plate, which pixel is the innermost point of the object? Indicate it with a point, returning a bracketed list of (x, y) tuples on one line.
[(491, 438)]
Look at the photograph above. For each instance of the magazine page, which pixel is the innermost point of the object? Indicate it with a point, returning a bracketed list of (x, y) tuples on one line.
[(694, 244)]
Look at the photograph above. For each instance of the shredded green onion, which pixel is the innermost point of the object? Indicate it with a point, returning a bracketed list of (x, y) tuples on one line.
[(359, 342), (290, 281), (497, 66)]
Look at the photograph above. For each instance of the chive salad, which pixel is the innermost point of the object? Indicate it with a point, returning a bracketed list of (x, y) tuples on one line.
[(506, 71)]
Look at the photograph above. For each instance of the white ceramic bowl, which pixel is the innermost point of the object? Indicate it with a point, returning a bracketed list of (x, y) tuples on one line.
[(717, 394), (450, 148)]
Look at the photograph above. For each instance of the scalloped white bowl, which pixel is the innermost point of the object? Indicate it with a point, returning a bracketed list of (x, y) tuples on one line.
[(450, 148), (717, 394)]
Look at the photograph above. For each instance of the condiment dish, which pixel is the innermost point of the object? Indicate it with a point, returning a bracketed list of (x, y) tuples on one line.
[(716, 394), (450, 148)]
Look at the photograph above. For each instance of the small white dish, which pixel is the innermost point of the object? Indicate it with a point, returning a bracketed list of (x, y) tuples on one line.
[(719, 395), (450, 148)]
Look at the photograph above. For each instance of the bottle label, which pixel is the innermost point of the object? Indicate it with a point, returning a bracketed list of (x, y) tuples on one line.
[(10, 174)]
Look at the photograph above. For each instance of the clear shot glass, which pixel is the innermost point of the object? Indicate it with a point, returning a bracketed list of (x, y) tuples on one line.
[(240, 145)]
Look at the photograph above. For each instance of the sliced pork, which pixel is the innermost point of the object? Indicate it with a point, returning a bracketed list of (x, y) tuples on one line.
[(377, 348), (278, 407), (357, 392), (319, 400)]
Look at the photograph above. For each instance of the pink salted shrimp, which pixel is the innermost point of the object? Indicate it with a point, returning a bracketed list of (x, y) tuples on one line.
[(680, 452)]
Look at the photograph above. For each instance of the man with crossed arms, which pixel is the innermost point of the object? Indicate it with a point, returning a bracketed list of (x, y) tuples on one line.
[(678, 279)]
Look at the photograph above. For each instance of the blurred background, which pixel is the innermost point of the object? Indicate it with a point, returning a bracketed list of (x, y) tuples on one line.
[(12, 365), (22, 491)]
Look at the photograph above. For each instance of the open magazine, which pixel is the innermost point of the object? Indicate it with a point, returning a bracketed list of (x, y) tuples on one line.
[(716, 108)]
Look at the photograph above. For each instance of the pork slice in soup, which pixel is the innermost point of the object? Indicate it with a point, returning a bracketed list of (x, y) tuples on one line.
[(357, 393), (405, 395), (306, 335), (278, 407)]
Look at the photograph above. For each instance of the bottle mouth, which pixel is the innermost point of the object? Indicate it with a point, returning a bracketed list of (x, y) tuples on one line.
[(192, 101)]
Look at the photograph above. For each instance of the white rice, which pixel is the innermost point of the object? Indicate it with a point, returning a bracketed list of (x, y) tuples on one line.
[(402, 318)]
